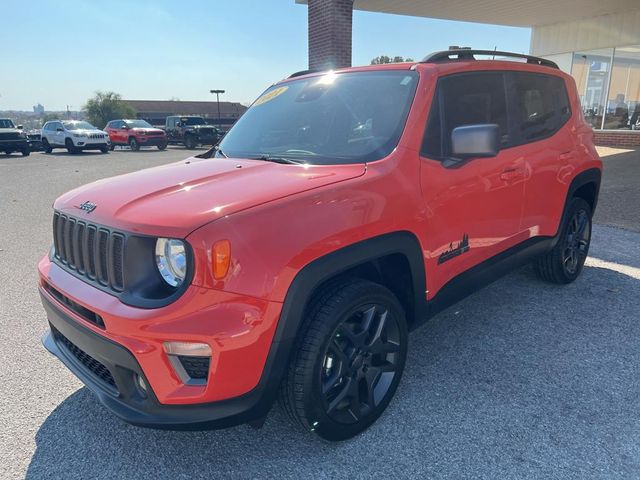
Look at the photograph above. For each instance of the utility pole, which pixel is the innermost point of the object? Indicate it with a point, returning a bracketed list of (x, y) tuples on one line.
[(217, 92)]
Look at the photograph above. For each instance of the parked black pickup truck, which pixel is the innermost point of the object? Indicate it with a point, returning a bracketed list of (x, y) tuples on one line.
[(191, 131), (12, 138)]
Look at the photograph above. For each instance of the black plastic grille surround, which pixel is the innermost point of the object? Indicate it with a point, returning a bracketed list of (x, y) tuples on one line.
[(85, 313), (89, 250), (196, 367), (96, 368)]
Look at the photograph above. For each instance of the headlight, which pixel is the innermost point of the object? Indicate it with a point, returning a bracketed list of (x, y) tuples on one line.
[(171, 259), (79, 135)]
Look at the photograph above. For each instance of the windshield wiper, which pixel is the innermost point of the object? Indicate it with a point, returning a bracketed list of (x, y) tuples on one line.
[(283, 160)]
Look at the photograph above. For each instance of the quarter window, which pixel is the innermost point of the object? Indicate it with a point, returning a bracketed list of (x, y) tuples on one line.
[(541, 105)]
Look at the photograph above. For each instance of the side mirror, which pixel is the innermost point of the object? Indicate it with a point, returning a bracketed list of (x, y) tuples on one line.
[(125, 127), (471, 141), (19, 127), (59, 129)]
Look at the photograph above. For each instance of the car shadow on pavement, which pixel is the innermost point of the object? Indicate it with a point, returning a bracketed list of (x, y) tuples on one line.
[(522, 379)]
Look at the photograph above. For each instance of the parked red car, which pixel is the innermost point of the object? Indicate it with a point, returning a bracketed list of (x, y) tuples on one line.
[(340, 212), (135, 134)]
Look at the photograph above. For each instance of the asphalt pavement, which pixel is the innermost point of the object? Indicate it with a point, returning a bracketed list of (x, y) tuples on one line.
[(520, 380)]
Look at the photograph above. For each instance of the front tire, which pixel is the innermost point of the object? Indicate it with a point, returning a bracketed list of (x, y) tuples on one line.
[(133, 144), (68, 143), (564, 263), (162, 146), (348, 361), (104, 149), (25, 152), (190, 142)]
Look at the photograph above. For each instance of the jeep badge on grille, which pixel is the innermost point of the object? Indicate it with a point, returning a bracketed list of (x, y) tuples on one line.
[(88, 206)]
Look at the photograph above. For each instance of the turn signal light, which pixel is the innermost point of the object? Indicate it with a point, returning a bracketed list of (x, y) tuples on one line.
[(220, 258), (187, 349)]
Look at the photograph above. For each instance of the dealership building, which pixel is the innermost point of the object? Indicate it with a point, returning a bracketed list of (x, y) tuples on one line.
[(156, 111), (596, 41)]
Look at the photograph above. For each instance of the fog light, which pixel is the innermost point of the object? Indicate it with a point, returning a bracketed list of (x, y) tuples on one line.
[(141, 385), (187, 349)]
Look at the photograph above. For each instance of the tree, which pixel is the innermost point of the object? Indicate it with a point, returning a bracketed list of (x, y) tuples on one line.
[(384, 59), (107, 106)]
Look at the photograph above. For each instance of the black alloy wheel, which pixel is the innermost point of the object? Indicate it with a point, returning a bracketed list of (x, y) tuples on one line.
[(71, 148), (190, 142), (133, 144), (564, 263), (348, 361)]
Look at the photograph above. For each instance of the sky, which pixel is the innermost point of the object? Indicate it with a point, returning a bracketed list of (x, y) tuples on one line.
[(59, 52)]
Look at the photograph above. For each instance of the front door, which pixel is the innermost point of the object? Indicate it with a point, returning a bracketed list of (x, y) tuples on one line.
[(473, 208)]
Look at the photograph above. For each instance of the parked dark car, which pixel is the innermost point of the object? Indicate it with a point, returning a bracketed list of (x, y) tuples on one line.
[(191, 131), (12, 138)]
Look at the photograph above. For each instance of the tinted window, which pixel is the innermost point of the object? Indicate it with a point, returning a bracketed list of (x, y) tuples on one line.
[(333, 118), (6, 123), (465, 99), (541, 105)]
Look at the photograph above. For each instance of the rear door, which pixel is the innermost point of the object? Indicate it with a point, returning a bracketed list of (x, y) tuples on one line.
[(473, 208), (541, 113)]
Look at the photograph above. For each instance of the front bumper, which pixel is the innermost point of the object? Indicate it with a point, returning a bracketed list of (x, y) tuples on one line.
[(15, 145), (151, 141), (243, 379)]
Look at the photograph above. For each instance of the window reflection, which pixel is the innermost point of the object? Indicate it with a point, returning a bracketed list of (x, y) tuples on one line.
[(591, 71), (623, 105)]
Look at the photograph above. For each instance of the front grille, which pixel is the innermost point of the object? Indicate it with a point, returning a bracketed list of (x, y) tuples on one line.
[(96, 135), (96, 368), (84, 312), (206, 131), (89, 250), (196, 367), (9, 136)]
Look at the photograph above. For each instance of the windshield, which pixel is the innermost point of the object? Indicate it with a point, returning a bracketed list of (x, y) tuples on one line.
[(6, 123), (138, 124), (78, 126), (335, 118), (192, 121)]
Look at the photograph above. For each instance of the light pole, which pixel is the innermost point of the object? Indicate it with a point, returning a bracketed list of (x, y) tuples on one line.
[(218, 92)]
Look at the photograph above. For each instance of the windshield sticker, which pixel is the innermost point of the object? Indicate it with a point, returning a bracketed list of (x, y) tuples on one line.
[(267, 97)]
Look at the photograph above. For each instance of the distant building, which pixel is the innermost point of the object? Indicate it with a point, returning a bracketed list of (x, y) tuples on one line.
[(156, 111), (39, 109)]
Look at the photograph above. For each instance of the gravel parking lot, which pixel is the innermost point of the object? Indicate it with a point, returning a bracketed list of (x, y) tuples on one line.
[(520, 380)]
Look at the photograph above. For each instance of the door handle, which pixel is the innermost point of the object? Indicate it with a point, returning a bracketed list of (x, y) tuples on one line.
[(511, 174)]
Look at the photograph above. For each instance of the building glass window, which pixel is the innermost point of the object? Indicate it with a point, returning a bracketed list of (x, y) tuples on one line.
[(623, 102), (591, 73)]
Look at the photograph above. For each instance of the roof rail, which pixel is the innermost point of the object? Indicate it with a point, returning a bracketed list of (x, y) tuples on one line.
[(469, 54), (304, 72)]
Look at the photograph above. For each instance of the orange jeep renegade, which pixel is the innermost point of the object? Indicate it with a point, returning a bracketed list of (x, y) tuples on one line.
[(344, 209)]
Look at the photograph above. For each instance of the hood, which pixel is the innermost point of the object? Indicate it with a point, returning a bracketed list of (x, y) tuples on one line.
[(87, 131), (148, 129), (175, 199), (9, 130)]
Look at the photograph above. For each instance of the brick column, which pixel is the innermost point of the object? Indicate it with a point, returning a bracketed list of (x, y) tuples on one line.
[(330, 33)]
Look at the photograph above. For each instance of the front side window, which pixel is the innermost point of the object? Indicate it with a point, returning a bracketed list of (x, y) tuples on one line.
[(465, 99), (351, 117), (542, 105)]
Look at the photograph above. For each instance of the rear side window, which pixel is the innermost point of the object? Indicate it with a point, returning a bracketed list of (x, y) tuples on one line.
[(541, 105), (465, 99)]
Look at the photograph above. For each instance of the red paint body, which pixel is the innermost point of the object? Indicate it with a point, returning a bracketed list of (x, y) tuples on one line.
[(279, 218), (144, 136)]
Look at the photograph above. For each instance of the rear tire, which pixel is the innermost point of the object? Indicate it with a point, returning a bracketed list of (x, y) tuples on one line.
[(564, 263), (348, 360), (133, 144), (45, 146)]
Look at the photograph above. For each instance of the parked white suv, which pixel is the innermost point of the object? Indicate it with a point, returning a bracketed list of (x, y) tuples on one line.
[(73, 135)]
